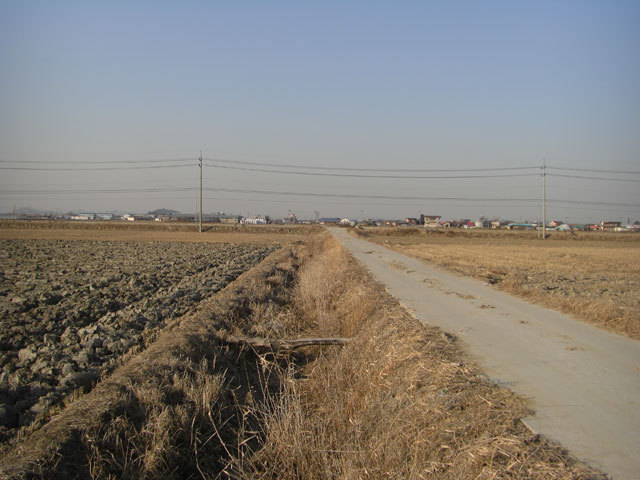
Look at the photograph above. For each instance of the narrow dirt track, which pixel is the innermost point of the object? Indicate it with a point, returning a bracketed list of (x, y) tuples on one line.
[(583, 382)]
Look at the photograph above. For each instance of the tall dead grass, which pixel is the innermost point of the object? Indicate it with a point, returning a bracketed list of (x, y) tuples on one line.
[(397, 402)]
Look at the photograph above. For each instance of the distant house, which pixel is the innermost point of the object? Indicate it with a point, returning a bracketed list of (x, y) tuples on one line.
[(430, 221), (609, 226), (329, 221), (104, 216), (255, 221), (521, 226), (495, 224), (411, 221), (83, 216), (230, 219), (345, 222)]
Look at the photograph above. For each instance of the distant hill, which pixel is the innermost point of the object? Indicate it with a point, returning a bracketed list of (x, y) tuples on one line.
[(163, 211)]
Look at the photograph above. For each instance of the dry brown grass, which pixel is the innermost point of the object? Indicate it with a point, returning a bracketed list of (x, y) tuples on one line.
[(397, 402), (176, 410), (153, 232), (597, 280)]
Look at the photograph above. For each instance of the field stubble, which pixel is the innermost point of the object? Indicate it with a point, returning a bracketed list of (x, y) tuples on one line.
[(596, 279), (153, 232), (69, 310)]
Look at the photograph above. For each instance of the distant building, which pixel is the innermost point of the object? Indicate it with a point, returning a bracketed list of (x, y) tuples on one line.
[(230, 219), (254, 221), (83, 216), (104, 216), (430, 221), (609, 226), (521, 226), (329, 221)]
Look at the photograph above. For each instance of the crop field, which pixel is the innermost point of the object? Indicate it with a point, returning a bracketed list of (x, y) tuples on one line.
[(593, 276), (128, 359), (70, 309), (153, 231)]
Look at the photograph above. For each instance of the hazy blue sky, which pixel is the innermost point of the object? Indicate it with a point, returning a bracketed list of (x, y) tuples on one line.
[(357, 84)]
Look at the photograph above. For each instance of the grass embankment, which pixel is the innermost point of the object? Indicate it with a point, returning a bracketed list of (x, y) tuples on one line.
[(176, 409), (591, 275), (397, 402)]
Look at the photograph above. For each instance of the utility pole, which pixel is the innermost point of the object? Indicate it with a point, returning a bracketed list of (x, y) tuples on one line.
[(200, 222), (544, 200)]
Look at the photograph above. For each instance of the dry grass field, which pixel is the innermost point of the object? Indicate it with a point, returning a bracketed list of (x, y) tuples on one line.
[(153, 232), (399, 400), (595, 277)]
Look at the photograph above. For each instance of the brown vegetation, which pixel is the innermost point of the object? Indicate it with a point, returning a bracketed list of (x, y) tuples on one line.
[(70, 309), (172, 411), (153, 232), (593, 276), (397, 401)]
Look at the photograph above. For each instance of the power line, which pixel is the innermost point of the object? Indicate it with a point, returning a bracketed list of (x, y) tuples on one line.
[(352, 175), (313, 194), (584, 177), (581, 202), (97, 162), (89, 191), (630, 172), (380, 197), (315, 167), (289, 172), (94, 169), (416, 203), (388, 197), (260, 192)]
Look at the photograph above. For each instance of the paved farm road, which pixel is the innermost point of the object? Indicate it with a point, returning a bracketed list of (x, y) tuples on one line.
[(584, 383)]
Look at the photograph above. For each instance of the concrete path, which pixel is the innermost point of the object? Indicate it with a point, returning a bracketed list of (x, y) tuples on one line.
[(583, 382)]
